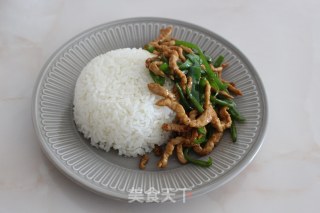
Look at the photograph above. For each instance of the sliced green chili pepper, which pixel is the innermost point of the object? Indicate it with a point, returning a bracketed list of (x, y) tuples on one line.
[(202, 83), (209, 59), (222, 102), (210, 130), (185, 65), (195, 59), (218, 61), (183, 100), (230, 101), (202, 130), (194, 101), (185, 71), (232, 108), (213, 78), (233, 131), (195, 74), (202, 86), (236, 115), (194, 50), (200, 140), (201, 163), (164, 67), (149, 48), (157, 79)]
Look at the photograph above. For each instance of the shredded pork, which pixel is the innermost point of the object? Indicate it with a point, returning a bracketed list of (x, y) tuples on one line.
[(185, 126)]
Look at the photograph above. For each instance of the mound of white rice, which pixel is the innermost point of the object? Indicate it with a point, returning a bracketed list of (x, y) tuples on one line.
[(113, 106)]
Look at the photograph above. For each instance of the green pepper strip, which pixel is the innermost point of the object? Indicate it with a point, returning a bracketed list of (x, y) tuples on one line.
[(165, 68), (183, 100), (195, 59), (194, 101), (202, 86), (185, 65), (213, 78), (185, 72), (219, 61), (232, 108), (209, 59), (236, 115), (149, 48), (202, 130), (201, 163), (200, 140), (157, 79), (222, 102), (195, 74), (202, 83), (233, 130)]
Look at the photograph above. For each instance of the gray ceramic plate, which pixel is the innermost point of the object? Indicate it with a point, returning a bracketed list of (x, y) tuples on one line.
[(119, 177)]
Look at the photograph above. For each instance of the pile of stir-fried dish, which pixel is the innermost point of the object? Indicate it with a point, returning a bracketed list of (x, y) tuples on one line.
[(202, 100)]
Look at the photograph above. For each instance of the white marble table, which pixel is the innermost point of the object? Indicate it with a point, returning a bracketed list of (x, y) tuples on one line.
[(282, 40)]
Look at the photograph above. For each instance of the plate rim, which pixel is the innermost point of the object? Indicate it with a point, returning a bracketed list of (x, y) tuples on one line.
[(227, 177)]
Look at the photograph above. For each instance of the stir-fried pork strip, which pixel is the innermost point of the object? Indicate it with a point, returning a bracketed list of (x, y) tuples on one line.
[(143, 161), (177, 108), (168, 151), (174, 127), (180, 155), (214, 139), (160, 90), (154, 67)]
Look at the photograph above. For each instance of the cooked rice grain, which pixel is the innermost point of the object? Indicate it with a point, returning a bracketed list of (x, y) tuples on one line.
[(113, 106)]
